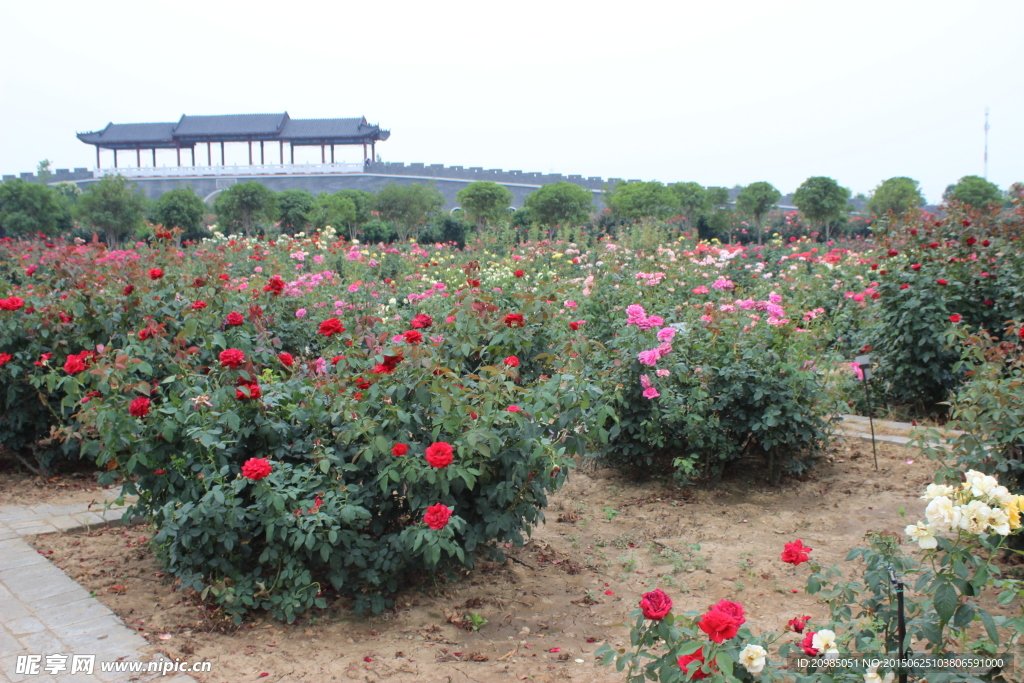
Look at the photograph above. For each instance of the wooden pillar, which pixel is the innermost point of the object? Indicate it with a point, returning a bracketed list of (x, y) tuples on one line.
[(223, 162), (323, 154), (373, 151), (250, 152), (282, 152), (193, 156), (138, 156), (291, 146), (364, 151), (209, 153), (263, 161), (177, 149), (332, 153), (115, 157), (97, 156), (154, 157)]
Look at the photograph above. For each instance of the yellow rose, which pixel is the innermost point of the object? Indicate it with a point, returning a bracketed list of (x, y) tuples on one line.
[(1014, 512)]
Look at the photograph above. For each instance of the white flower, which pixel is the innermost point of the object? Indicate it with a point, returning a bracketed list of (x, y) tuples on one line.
[(999, 520), (752, 658), (1002, 495), (975, 517), (937, 491), (825, 641), (981, 484), (872, 676), (922, 533), (942, 514)]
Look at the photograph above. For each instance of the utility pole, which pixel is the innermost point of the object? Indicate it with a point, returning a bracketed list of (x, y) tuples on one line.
[(986, 143)]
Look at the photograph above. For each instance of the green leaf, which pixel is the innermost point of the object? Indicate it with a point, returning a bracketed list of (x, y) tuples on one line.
[(990, 625), (945, 601)]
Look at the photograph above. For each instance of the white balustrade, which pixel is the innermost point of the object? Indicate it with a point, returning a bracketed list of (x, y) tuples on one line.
[(247, 170)]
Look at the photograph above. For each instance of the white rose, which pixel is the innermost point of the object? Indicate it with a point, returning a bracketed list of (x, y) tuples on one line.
[(937, 491), (942, 514), (872, 676), (752, 658), (981, 484), (999, 520), (825, 641), (922, 534), (975, 517), (1002, 495)]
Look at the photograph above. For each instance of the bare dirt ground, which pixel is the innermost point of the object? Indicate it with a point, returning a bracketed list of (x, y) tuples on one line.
[(541, 616), (64, 489)]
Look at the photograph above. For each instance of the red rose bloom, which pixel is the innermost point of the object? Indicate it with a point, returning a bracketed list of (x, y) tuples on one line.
[(156, 274), (691, 664), (904, 286), (437, 516), (286, 359), (955, 318), (235, 319), (421, 321), (198, 305), (655, 604), (733, 609), (513, 409), (412, 337), (574, 326), (808, 644), (893, 252), (256, 468), (941, 282), (139, 407), (472, 282), (796, 552), (719, 625), (988, 302), (160, 472), (5, 358), (275, 286), (519, 273), (514, 320), (248, 391), (399, 450), (971, 241), (224, 277), (128, 290), (11, 303), (985, 243), (76, 363), (512, 362), (231, 358), (916, 266), (439, 454), (331, 326), (797, 624)]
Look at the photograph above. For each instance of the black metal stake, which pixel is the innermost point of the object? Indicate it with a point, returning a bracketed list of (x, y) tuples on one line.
[(901, 620), (871, 418)]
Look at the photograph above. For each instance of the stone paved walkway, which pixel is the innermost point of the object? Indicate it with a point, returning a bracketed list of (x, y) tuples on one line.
[(886, 431), (43, 612)]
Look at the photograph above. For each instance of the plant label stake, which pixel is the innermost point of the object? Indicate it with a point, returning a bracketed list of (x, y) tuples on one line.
[(864, 363), (901, 619)]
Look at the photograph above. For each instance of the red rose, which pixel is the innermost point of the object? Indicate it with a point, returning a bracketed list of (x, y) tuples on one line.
[(955, 318), (231, 358), (76, 363), (235, 319), (160, 472), (985, 243), (422, 321), (5, 358), (248, 391), (256, 468), (331, 326), (145, 333), (473, 414), (808, 644), (276, 285), (513, 409), (514, 320), (720, 626), (574, 326), (472, 282), (966, 223), (988, 302), (139, 407), (12, 303), (412, 337), (519, 273), (156, 274), (437, 516), (399, 450), (797, 624), (916, 266), (655, 605), (88, 397), (128, 290), (904, 286), (796, 552), (286, 359), (893, 252), (439, 454), (971, 241), (223, 276), (512, 362), (198, 305), (691, 664), (734, 609), (942, 282)]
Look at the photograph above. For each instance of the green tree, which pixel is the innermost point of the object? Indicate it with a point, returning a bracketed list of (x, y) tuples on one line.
[(756, 200), (822, 200), (561, 202), (975, 191), (294, 207), (245, 206), (691, 198), (27, 208), (113, 206), (335, 210), (68, 190), (633, 201), (408, 207), (485, 202), (43, 172), (365, 203), (898, 195), (180, 208)]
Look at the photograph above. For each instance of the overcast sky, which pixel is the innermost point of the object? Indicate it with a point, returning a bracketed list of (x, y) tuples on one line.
[(723, 93)]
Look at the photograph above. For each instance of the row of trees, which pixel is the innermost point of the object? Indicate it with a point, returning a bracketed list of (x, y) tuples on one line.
[(112, 206)]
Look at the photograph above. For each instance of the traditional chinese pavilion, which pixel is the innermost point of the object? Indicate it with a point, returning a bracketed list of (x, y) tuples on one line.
[(190, 131)]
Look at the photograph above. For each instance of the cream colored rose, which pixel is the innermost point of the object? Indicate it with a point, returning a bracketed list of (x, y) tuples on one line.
[(872, 676), (975, 517), (824, 641), (937, 491), (942, 514), (752, 658), (922, 534)]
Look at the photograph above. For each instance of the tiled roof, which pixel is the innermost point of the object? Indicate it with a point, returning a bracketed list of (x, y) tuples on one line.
[(131, 132), (295, 129), (231, 124)]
